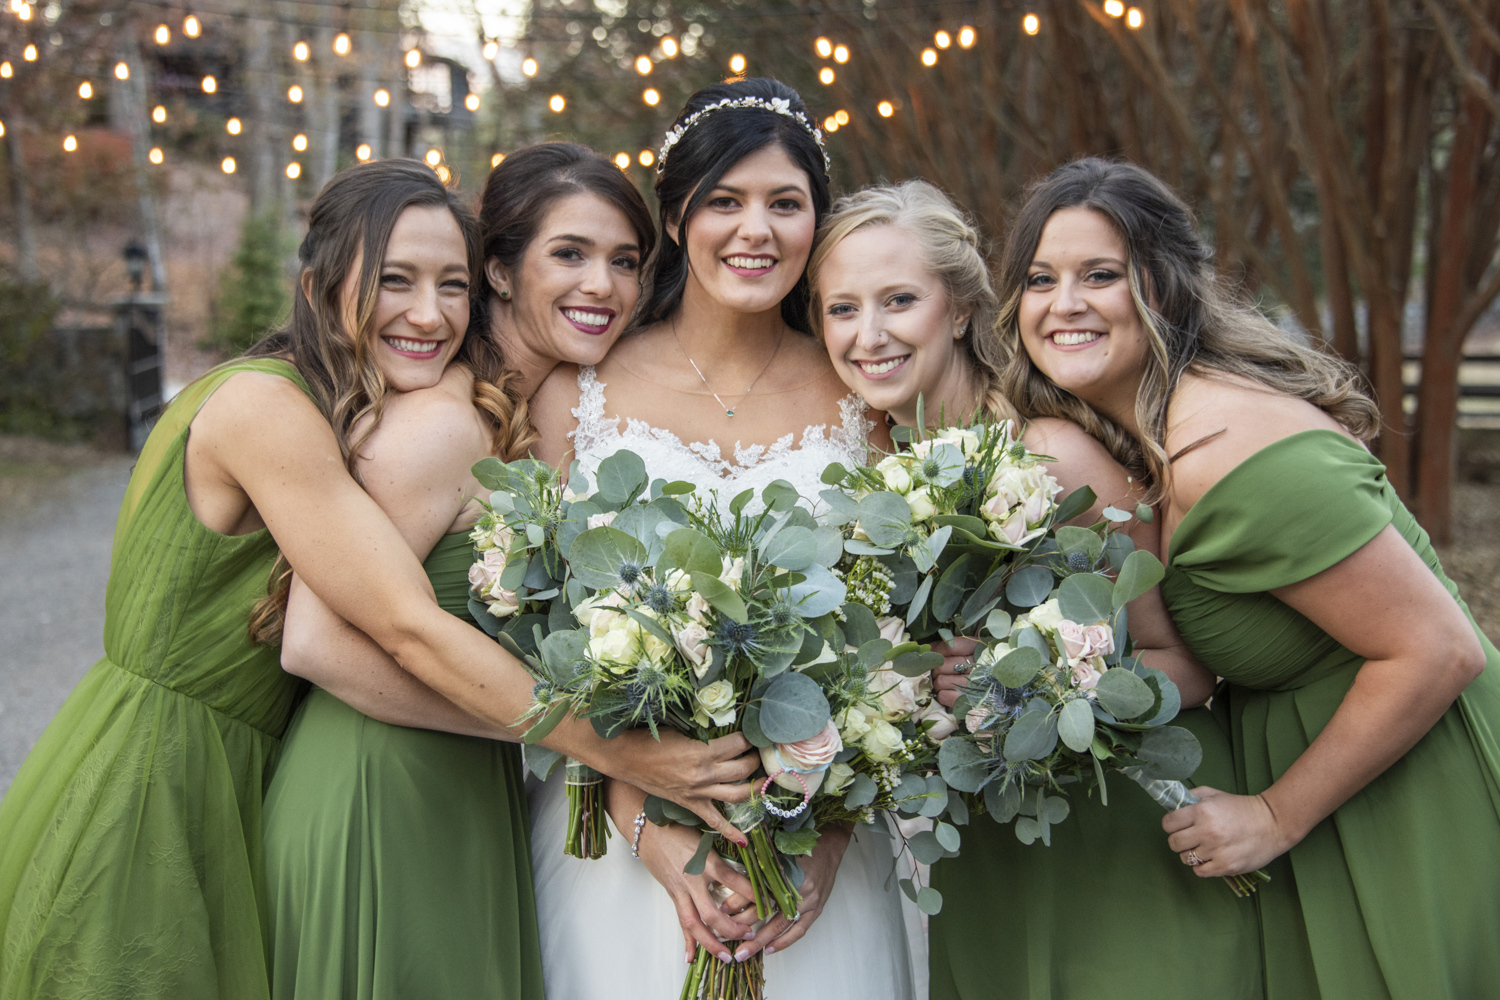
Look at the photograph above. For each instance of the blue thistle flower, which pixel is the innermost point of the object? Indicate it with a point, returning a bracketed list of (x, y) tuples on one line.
[(738, 637), (1078, 561), (659, 599)]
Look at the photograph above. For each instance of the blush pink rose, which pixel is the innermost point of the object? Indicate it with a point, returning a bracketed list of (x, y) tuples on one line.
[(1086, 674), (810, 758)]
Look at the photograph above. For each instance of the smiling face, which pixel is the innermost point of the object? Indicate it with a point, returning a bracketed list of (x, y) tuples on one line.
[(422, 302), (1078, 319), (577, 283), (889, 328), (747, 244)]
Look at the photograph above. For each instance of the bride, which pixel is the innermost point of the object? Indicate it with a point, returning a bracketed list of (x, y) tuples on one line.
[(721, 386)]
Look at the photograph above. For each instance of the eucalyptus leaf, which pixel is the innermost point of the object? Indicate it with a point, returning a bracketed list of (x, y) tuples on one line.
[(925, 847), (1029, 587), (963, 765), (1145, 512), (797, 841), (943, 465), (621, 477), (740, 501), (677, 488), (699, 860), (859, 625), (885, 518), (998, 624), (964, 522), (917, 663), (948, 836), (984, 597), (1075, 725), (479, 611), (1028, 830), (908, 888), (793, 708), (828, 543), (1075, 504), (1032, 638), (919, 600), (1002, 803), (575, 524), (599, 555), (958, 812), (938, 541), (903, 578), (949, 589), (937, 798), (1171, 752), (539, 760), (1123, 694), (833, 474), (750, 726), (1116, 515), (930, 901), (1084, 598), (859, 547), (542, 729), (1139, 574), (1032, 736), (491, 473), (840, 503), (861, 793), (692, 551), (1116, 547), (1017, 668), (720, 595), (791, 548), (640, 522), (819, 593), (779, 495), (1071, 540), (535, 535)]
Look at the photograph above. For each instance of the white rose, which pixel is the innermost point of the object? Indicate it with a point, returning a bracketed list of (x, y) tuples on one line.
[(1046, 616), (882, 741), (944, 724), (893, 629), (838, 778), (1036, 507), (733, 570), (1006, 488), (679, 582), (615, 648), (692, 642), (486, 573), (920, 502), (964, 440), (595, 613), (893, 471), (1012, 529), (853, 725), (697, 607), (715, 704), (502, 603), (899, 696), (603, 520), (654, 649)]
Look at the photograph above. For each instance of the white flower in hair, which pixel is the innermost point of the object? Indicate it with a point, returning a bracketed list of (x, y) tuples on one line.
[(780, 105)]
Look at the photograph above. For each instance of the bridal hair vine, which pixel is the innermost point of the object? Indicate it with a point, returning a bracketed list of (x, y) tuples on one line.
[(780, 105)]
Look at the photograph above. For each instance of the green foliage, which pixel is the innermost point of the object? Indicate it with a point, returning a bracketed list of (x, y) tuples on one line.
[(30, 383), (254, 293)]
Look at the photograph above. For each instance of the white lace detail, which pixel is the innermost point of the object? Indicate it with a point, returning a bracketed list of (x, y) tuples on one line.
[(702, 462)]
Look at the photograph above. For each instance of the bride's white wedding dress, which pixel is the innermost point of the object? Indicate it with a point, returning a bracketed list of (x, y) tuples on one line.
[(608, 929)]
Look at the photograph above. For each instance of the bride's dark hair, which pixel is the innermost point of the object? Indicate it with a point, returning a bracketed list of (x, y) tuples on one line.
[(702, 156)]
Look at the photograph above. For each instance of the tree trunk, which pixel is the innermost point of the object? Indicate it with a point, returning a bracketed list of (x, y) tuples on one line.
[(140, 142), (20, 199), (262, 132)]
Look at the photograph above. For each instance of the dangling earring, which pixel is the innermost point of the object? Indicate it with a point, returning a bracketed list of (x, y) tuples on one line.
[(505, 295)]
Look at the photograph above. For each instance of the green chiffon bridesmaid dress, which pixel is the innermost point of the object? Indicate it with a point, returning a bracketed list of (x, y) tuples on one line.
[(1107, 911), (1397, 894), (399, 860), (130, 841)]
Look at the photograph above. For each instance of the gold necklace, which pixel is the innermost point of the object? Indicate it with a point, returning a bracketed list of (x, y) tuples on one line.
[(728, 410)]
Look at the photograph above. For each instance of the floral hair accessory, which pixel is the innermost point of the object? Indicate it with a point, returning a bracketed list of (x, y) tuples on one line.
[(780, 105)]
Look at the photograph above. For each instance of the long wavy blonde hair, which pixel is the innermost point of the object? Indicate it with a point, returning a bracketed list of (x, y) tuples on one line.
[(949, 245), (350, 223), (1193, 321)]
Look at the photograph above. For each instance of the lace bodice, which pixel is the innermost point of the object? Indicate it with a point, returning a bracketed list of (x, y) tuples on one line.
[(702, 463)]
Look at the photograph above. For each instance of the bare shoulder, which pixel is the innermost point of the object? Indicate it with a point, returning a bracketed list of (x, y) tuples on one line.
[(558, 392), (1080, 459), (427, 437), (551, 413), (253, 405), (1215, 424)]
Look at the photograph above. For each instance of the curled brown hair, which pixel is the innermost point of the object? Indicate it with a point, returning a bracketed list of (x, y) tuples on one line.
[(350, 225), (1193, 321)]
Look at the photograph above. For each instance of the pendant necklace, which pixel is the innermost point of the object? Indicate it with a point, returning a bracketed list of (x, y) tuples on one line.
[(728, 410)]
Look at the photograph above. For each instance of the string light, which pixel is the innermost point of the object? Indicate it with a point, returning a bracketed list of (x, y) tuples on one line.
[(622, 160), (651, 96), (491, 50), (496, 160), (942, 39), (823, 47), (557, 102), (299, 142), (232, 126), (528, 66), (434, 157), (29, 53), (830, 124), (85, 90), (1031, 24), (159, 114), (1135, 18), (825, 75), (191, 28), (414, 58), (228, 165), (966, 37), (643, 65), (841, 116), (841, 54), (341, 44), (1114, 8), (382, 97), (472, 102), (70, 143), (647, 158), (362, 152), (737, 63), (929, 57), (155, 156), (294, 94), (6, 70), (24, 12), (293, 170), (2, 130), (669, 47), (300, 52), (444, 174), (886, 109), (122, 71), (163, 34), (210, 85)]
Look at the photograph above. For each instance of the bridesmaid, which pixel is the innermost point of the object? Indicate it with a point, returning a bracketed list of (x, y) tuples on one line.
[(1364, 703), (398, 857), (905, 306), (130, 840)]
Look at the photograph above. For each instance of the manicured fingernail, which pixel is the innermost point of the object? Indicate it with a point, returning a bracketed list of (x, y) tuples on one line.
[(770, 950), (741, 955), (724, 958), (749, 936), (687, 959), (723, 907)]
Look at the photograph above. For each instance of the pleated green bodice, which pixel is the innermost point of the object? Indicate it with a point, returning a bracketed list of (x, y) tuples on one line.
[(130, 841), (1397, 894), (398, 859)]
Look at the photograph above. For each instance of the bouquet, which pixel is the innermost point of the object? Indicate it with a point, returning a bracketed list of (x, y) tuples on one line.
[(666, 610)]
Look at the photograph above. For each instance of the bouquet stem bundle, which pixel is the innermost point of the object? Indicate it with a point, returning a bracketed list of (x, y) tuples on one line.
[(711, 979), (1173, 795), (772, 891), (587, 825)]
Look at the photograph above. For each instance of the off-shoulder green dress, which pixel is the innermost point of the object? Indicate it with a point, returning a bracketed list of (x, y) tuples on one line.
[(1107, 911), (1397, 894), (399, 860), (130, 841)]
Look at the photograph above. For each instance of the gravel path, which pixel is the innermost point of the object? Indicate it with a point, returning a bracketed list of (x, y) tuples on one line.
[(54, 561)]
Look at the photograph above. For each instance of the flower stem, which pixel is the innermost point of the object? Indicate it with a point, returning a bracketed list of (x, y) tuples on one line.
[(588, 828), (1173, 795)]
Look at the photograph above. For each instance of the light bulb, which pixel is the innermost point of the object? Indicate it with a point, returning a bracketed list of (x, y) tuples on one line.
[(622, 160), (737, 63), (70, 143), (300, 52), (6, 70), (444, 174), (158, 114), (841, 116), (155, 156), (643, 65), (929, 57), (122, 71), (299, 142), (191, 27), (210, 85), (1134, 17), (651, 96), (434, 157), (823, 47), (1031, 24), (669, 47), (557, 102), (294, 94), (163, 34), (413, 58), (294, 170), (85, 90), (29, 53), (232, 126), (966, 37), (528, 66), (825, 75), (886, 109), (472, 102), (647, 158), (841, 54), (830, 124), (228, 165), (341, 44), (382, 97), (497, 159), (491, 50), (942, 39), (362, 152)]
